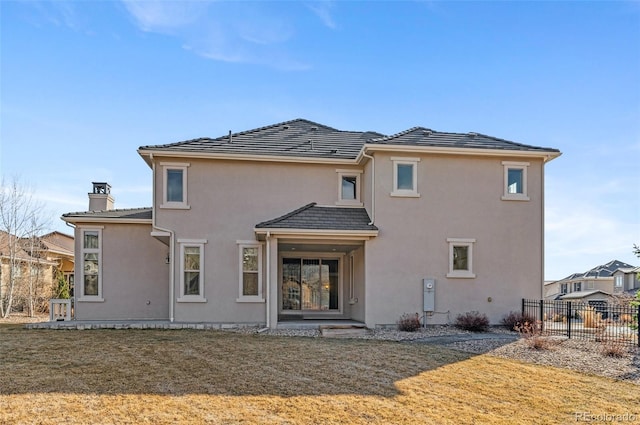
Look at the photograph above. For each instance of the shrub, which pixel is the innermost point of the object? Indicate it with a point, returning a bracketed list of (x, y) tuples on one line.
[(613, 349), (513, 318), (472, 321), (409, 322), (590, 317), (531, 332)]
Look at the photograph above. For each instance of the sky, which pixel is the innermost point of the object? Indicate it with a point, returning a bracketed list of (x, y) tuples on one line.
[(83, 84)]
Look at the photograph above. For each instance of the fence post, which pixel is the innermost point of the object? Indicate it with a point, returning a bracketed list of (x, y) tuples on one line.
[(569, 316), (638, 324), (523, 307), (541, 315)]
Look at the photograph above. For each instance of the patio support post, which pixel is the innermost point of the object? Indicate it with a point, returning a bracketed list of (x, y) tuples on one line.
[(273, 282)]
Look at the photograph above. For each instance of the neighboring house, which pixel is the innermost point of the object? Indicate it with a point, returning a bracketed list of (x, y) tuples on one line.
[(599, 282), (298, 220), (58, 247), (33, 272)]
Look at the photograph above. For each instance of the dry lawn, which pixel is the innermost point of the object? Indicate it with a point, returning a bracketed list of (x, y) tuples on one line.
[(156, 377)]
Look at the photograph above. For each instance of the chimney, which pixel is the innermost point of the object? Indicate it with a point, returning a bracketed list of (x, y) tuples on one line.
[(100, 199)]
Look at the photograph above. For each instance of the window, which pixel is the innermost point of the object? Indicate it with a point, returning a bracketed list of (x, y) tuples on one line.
[(577, 286), (349, 187), (91, 288), (174, 188), (563, 288), (515, 181), (591, 285), (618, 282), (250, 271), (405, 177), (191, 270), (461, 258)]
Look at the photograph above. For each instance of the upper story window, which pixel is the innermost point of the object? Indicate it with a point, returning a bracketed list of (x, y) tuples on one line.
[(349, 187), (563, 288), (191, 270), (515, 181), (461, 258), (405, 177), (91, 254), (250, 272), (577, 286), (618, 282), (174, 185)]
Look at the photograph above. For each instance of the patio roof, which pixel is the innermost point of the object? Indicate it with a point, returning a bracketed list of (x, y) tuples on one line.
[(314, 219)]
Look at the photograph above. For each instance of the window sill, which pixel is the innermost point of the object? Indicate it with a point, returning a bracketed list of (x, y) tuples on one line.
[(405, 194), (459, 274), (191, 299), (250, 300), (175, 207), (90, 300), (515, 198)]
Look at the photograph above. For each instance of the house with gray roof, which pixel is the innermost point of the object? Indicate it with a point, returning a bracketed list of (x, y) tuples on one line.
[(598, 283), (298, 220)]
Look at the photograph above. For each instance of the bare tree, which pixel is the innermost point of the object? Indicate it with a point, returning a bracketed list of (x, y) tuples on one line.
[(21, 218)]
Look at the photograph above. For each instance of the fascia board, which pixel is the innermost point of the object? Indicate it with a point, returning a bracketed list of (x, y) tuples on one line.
[(146, 155), (110, 220), (305, 233), (546, 155)]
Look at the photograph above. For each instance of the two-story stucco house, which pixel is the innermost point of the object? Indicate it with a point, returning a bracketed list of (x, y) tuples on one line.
[(298, 220)]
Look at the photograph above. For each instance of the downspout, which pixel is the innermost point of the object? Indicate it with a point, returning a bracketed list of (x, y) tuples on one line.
[(171, 243), (373, 186), (268, 281)]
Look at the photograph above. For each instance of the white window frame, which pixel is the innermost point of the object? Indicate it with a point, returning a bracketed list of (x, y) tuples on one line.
[(512, 165), (249, 298), (83, 250), (349, 173), (618, 281), (564, 286), (182, 166), (577, 285), (192, 243), (461, 274), (591, 285), (406, 193)]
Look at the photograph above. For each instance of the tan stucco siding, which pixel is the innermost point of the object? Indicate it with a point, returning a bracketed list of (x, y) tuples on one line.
[(227, 199), (460, 197), (135, 277)]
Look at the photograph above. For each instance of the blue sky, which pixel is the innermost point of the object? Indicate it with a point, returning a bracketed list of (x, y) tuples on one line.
[(84, 84)]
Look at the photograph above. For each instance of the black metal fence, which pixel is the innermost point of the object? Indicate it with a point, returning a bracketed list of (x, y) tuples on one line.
[(594, 320)]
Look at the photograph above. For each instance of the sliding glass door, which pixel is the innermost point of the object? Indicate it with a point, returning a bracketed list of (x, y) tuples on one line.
[(310, 284)]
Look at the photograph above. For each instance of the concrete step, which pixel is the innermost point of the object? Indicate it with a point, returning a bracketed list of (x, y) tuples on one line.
[(342, 331)]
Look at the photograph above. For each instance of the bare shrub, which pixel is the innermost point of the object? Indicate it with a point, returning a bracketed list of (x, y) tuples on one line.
[(514, 318), (473, 321), (590, 317), (531, 332), (612, 348), (409, 322)]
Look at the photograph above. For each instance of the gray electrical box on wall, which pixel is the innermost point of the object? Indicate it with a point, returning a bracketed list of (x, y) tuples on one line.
[(429, 291)]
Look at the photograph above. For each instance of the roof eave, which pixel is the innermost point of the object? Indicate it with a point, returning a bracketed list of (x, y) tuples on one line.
[(317, 233), (148, 156), (112, 220), (546, 155)]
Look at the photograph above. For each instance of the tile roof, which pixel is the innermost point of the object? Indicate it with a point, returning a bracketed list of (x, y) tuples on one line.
[(582, 294), (304, 138), (295, 138), (604, 270), (420, 136), (123, 214), (314, 217)]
